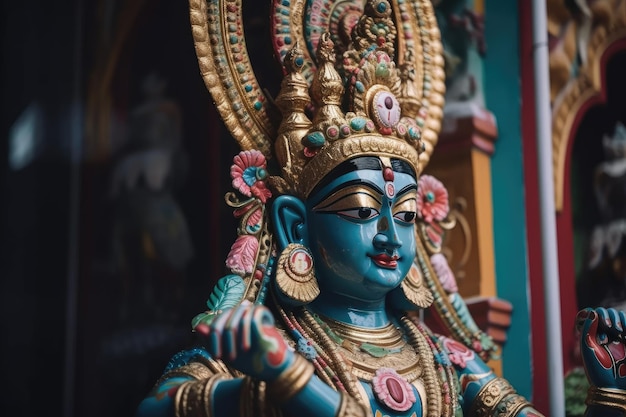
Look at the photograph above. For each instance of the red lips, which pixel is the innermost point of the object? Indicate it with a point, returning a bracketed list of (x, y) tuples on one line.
[(385, 261)]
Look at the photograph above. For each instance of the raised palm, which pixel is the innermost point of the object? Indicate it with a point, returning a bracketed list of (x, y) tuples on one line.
[(603, 346), (246, 338)]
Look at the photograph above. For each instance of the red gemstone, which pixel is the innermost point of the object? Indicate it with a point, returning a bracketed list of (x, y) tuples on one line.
[(395, 390), (388, 174)]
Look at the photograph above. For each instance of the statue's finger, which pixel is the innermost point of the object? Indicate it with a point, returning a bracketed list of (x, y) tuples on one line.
[(220, 320), (202, 329), (605, 325), (231, 328), (589, 328), (605, 318), (622, 319), (582, 316), (217, 329), (265, 317), (261, 317), (616, 324), (246, 333), (215, 344)]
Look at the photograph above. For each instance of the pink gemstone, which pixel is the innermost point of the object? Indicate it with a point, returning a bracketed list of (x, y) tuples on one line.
[(395, 390)]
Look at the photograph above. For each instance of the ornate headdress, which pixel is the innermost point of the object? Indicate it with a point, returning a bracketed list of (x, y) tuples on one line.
[(360, 87)]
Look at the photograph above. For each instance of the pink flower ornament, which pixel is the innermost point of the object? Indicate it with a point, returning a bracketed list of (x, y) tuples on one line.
[(444, 273), (242, 255), (432, 199), (248, 173), (393, 390), (458, 353)]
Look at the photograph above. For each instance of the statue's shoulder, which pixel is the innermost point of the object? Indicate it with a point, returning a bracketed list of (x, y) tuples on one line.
[(187, 356), (195, 363)]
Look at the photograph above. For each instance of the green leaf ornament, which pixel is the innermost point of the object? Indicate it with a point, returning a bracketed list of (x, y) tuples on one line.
[(227, 293)]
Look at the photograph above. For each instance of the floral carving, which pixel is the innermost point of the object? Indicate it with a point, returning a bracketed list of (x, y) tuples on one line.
[(444, 273), (432, 199), (242, 255), (248, 173), (393, 390), (458, 353)]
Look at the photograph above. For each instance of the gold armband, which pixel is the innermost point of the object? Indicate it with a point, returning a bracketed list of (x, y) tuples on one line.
[(291, 381), (607, 397), (497, 398), (193, 370), (194, 398)]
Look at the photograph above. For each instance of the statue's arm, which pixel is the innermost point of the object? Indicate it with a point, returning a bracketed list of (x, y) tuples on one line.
[(269, 374), (192, 379), (482, 392), (236, 397)]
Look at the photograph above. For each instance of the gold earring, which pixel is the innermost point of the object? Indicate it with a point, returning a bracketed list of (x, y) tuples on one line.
[(414, 288), (295, 276)]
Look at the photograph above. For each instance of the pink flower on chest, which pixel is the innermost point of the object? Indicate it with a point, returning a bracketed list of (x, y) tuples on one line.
[(393, 390)]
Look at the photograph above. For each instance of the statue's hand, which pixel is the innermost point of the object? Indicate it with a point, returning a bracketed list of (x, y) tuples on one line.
[(603, 346), (246, 338)]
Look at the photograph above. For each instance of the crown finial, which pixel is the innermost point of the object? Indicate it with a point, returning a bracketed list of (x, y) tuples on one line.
[(409, 102), (375, 28), (292, 102), (327, 85)]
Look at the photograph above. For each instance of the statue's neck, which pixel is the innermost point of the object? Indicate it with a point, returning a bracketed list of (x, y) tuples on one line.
[(351, 310)]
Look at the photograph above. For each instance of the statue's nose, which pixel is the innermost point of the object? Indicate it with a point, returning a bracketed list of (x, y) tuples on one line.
[(387, 236)]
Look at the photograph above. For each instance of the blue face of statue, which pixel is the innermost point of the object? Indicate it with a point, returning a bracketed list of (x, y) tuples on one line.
[(361, 232)]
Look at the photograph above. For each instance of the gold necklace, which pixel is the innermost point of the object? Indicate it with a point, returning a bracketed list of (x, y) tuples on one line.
[(368, 350), (339, 360), (388, 336)]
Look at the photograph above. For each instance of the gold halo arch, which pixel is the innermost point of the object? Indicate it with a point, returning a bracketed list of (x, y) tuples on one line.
[(588, 85)]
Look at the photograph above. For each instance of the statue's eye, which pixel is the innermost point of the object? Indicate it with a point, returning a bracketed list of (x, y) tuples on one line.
[(361, 213), (365, 213), (405, 216)]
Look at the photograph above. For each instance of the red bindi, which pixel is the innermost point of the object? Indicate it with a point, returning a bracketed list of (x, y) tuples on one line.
[(388, 174)]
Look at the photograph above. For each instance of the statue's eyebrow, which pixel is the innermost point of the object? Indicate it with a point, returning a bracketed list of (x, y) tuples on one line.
[(406, 189), (350, 183)]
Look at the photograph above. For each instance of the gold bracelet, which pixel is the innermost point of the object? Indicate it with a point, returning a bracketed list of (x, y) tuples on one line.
[(181, 405), (291, 381), (511, 406), (193, 398), (608, 397), (497, 398), (248, 397), (207, 392), (350, 407)]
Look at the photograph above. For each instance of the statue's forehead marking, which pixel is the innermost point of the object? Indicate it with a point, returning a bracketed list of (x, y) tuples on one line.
[(388, 176)]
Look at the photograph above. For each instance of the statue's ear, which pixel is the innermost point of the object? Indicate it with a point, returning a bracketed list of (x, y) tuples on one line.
[(289, 216)]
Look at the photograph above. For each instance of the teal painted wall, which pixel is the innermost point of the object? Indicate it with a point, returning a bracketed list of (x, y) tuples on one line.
[(503, 97)]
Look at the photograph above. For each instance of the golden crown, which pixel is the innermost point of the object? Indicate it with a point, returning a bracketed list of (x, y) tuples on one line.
[(376, 91)]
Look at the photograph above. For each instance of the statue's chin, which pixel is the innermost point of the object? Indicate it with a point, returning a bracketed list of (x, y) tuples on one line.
[(373, 283)]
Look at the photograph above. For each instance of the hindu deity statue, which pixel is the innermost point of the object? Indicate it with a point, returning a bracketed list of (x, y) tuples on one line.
[(335, 254)]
